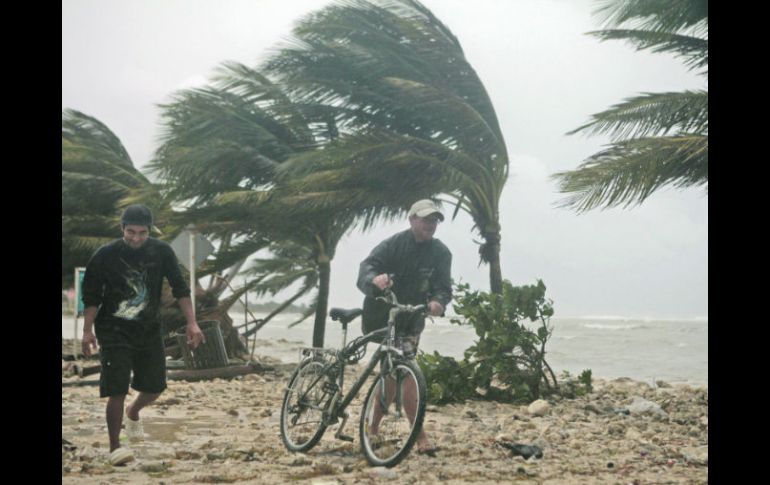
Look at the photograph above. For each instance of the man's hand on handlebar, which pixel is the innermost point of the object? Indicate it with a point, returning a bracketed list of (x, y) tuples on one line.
[(382, 281), (435, 308)]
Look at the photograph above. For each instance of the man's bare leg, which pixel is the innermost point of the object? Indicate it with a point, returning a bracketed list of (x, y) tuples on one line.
[(409, 388), (115, 420), (390, 394), (142, 399)]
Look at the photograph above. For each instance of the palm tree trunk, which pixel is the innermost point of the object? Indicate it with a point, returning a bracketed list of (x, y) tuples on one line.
[(319, 327), (492, 252)]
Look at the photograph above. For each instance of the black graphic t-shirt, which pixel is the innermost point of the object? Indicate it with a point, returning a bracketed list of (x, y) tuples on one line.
[(126, 285)]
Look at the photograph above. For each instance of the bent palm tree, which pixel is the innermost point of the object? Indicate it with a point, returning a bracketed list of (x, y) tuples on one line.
[(402, 96), (658, 139), (293, 230), (221, 150), (98, 178)]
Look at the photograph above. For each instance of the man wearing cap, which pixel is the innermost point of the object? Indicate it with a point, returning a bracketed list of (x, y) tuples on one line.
[(421, 266), (121, 292)]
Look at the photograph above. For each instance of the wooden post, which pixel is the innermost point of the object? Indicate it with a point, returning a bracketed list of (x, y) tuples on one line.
[(192, 270), (75, 311)]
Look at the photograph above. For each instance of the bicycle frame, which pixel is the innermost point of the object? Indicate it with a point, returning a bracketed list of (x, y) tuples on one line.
[(385, 349)]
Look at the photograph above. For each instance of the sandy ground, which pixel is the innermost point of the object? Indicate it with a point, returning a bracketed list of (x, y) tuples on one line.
[(226, 431)]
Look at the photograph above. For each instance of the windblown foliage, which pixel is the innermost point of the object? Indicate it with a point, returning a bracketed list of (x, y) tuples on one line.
[(408, 108), (507, 362), (658, 139)]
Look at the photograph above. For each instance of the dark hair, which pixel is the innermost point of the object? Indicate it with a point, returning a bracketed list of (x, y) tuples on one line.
[(136, 214)]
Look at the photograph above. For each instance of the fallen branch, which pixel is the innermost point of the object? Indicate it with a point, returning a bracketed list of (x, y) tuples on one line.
[(196, 375), (217, 373), (83, 371)]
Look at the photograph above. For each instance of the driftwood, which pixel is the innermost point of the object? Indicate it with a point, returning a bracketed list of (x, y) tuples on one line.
[(173, 351), (84, 370), (217, 373), (195, 375)]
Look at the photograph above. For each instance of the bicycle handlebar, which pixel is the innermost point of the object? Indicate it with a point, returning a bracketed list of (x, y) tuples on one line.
[(390, 299)]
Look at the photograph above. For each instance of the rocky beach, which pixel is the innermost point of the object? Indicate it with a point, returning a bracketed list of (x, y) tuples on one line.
[(227, 431)]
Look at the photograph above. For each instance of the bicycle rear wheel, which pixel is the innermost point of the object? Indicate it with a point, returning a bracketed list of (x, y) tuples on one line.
[(304, 401), (393, 413)]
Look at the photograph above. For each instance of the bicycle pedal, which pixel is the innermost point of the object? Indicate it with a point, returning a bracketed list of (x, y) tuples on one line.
[(344, 437)]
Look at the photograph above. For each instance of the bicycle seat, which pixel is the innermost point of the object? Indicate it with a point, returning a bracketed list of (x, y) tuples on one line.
[(344, 316)]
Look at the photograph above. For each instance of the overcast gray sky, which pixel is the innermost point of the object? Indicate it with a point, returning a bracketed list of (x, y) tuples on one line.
[(544, 76)]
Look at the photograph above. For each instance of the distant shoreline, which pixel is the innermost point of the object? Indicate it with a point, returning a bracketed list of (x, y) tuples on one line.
[(611, 349)]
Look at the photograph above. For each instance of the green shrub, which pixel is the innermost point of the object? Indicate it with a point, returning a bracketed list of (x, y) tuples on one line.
[(585, 380), (507, 362), (571, 387), (448, 380)]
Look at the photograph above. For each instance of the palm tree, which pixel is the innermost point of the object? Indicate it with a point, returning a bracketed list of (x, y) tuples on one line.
[(287, 264), (301, 241), (402, 97), (98, 179), (658, 139), (221, 149)]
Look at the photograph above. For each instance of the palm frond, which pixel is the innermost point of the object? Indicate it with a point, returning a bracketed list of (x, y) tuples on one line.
[(694, 50), (659, 139), (630, 171), (85, 243), (652, 114), (349, 55), (80, 129), (659, 15), (311, 310)]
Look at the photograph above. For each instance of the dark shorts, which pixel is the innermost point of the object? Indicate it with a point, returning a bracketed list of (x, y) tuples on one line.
[(148, 364), (407, 335)]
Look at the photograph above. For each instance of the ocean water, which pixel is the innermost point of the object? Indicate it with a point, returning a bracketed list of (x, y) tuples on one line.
[(675, 351)]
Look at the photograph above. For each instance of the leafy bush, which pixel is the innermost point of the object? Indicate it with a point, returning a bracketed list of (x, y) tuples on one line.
[(585, 380), (448, 380), (571, 387), (507, 362)]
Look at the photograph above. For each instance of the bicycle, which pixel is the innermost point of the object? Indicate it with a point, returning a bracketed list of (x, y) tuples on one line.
[(394, 407)]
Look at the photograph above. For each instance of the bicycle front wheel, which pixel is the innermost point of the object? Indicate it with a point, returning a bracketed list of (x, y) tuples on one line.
[(393, 413), (304, 401)]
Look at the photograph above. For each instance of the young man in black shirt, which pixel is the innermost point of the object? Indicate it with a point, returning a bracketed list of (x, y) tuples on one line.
[(121, 292)]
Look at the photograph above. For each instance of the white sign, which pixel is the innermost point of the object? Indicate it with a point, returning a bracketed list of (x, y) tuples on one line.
[(181, 246)]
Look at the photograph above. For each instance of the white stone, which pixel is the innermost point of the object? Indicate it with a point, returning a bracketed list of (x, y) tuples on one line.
[(639, 405), (698, 454), (633, 434), (87, 454), (382, 472), (153, 467), (539, 408)]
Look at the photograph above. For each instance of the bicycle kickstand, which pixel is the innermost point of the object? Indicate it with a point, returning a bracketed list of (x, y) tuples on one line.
[(338, 434)]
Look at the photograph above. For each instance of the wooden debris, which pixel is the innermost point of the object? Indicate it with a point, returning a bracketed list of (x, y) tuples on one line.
[(195, 375)]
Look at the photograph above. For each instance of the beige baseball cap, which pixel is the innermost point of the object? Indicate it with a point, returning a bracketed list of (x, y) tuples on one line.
[(424, 208)]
